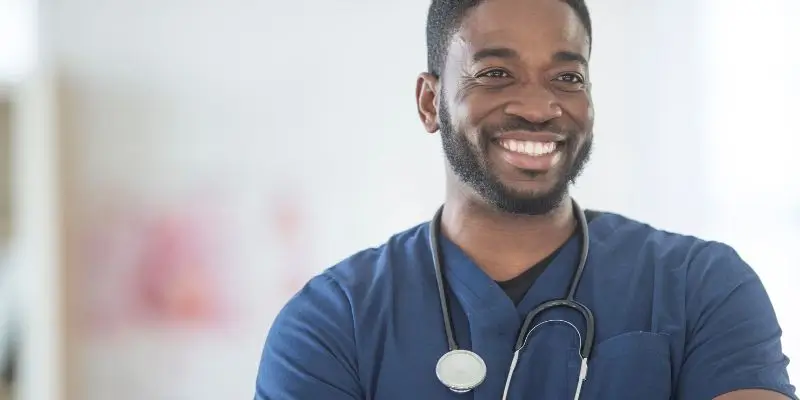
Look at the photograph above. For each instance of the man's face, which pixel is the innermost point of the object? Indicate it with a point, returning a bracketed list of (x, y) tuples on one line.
[(514, 106)]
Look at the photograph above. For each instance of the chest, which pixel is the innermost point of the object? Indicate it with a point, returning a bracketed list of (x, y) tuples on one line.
[(636, 353), (632, 365)]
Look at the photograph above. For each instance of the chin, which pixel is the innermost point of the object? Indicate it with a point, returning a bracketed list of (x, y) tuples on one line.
[(535, 195), (527, 200), (531, 189), (533, 185)]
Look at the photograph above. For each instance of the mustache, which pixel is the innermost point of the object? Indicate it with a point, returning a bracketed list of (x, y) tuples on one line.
[(522, 124)]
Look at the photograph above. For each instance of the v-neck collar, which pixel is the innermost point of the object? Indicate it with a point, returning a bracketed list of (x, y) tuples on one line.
[(484, 302), (555, 280), (482, 297)]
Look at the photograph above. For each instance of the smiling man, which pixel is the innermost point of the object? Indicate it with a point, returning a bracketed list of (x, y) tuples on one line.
[(512, 291)]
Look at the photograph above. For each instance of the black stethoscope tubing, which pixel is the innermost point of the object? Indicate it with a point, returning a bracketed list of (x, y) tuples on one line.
[(569, 301)]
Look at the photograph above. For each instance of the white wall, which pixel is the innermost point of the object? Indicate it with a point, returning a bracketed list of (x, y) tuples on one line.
[(35, 251), (313, 101), (18, 33), (30, 264), (753, 142)]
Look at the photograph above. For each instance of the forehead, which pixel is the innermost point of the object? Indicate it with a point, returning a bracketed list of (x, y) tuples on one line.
[(523, 25)]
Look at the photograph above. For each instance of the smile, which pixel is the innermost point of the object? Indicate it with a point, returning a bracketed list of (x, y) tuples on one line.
[(528, 147), (530, 155)]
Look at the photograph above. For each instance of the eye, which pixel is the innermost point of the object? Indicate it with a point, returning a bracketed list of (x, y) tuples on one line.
[(571, 78), (494, 73)]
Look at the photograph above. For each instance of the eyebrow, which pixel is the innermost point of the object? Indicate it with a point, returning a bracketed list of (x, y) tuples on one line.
[(494, 52), (505, 52), (570, 56)]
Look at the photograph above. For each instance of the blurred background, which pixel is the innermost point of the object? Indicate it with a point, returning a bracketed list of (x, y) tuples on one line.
[(171, 171)]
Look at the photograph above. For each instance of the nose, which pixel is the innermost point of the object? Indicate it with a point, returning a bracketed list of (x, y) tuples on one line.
[(535, 103)]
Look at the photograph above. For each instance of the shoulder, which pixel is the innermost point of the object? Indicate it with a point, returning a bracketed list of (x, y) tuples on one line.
[(313, 345), (691, 276), (368, 272), (322, 314), (672, 251), (394, 258)]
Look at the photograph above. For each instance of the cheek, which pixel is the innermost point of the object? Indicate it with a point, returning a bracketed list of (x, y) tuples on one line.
[(463, 119), (475, 113), (475, 104), (477, 107), (590, 118), (582, 112)]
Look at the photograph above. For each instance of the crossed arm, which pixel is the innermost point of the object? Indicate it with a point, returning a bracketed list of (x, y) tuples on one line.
[(733, 348), (752, 395)]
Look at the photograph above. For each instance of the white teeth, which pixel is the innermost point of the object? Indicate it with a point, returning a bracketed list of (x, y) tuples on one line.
[(528, 147)]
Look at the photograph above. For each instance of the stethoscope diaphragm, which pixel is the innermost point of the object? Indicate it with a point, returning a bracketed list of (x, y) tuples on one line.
[(461, 370)]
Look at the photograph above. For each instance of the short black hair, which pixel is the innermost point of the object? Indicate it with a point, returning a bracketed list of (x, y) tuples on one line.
[(445, 16)]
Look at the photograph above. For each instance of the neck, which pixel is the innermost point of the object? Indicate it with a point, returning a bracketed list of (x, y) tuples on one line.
[(504, 245)]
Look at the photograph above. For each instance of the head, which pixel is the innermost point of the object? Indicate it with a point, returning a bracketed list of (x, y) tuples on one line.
[(508, 88)]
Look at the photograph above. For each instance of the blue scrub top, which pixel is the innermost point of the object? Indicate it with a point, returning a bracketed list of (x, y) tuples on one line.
[(676, 318)]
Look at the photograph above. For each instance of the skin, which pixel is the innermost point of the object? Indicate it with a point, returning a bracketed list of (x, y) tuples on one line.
[(532, 84), (542, 80)]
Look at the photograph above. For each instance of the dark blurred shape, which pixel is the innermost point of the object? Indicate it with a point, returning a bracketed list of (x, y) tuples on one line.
[(8, 370)]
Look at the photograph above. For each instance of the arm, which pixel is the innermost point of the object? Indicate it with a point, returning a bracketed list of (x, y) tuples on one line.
[(310, 350), (733, 344), (756, 394)]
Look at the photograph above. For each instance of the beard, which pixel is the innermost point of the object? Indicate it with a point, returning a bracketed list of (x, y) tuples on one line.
[(470, 163)]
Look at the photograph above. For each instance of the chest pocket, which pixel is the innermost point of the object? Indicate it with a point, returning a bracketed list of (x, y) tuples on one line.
[(631, 366)]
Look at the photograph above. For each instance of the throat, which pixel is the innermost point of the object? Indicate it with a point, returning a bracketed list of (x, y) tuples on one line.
[(516, 288), (514, 263), (506, 246)]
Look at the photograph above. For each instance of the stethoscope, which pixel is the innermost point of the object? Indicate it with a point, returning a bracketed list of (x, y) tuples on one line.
[(463, 370)]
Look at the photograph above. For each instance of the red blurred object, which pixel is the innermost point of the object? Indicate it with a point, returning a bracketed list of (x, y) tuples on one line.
[(173, 278)]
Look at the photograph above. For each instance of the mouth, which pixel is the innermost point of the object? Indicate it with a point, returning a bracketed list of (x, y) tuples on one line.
[(530, 155)]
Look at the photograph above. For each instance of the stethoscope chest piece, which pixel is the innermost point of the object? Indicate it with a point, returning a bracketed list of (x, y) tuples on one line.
[(461, 370)]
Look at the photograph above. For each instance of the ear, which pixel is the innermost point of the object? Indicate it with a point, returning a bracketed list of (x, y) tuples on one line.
[(427, 101)]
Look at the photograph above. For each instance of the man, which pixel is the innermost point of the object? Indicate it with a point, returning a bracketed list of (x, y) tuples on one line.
[(675, 317)]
